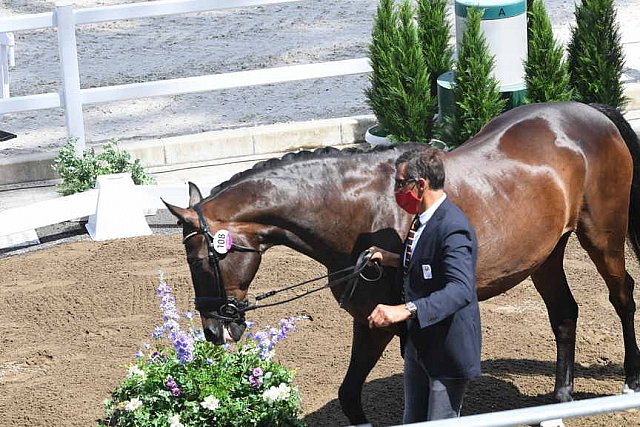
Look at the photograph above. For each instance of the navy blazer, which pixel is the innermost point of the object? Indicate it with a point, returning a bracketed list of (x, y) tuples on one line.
[(441, 281)]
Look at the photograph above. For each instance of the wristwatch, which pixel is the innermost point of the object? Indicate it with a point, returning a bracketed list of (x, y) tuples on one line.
[(411, 306)]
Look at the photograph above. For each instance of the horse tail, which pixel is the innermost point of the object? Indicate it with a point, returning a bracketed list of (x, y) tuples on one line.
[(631, 139)]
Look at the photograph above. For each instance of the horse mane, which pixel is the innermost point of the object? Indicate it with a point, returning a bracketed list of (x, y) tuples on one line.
[(294, 157)]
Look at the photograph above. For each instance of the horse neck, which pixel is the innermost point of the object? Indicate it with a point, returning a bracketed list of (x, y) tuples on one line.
[(317, 207)]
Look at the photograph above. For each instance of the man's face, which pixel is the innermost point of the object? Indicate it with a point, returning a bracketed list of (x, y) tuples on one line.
[(403, 183)]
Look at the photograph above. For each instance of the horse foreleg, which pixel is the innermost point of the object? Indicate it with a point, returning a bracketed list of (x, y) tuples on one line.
[(367, 347), (551, 282)]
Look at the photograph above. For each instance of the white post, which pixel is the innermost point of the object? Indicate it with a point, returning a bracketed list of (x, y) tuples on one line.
[(71, 96), (7, 59)]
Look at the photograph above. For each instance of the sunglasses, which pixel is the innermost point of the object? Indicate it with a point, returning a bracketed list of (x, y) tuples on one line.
[(401, 182)]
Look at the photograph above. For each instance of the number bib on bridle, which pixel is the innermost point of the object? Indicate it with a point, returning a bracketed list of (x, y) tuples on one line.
[(222, 242)]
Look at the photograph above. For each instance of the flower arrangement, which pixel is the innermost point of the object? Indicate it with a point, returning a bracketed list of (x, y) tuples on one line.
[(185, 381)]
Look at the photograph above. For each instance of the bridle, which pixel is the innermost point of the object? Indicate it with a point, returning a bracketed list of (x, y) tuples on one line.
[(230, 309), (222, 307)]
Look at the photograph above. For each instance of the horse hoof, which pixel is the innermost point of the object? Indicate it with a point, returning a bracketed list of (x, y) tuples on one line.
[(628, 390), (563, 395)]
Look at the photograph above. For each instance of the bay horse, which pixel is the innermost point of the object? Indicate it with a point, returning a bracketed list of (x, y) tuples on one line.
[(526, 181)]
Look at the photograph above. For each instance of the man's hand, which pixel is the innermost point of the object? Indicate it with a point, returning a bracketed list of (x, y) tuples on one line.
[(384, 257), (385, 315)]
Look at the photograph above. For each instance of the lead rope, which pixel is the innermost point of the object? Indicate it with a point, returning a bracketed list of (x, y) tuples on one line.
[(356, 271)]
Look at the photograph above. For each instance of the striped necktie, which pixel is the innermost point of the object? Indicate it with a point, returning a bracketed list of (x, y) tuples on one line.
[(408, 242)]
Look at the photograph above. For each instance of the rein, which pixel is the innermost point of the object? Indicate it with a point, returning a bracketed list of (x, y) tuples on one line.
[(232, 310), (356, 271)]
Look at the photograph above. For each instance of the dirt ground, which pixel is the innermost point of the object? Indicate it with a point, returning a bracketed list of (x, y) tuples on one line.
[(72, 316)]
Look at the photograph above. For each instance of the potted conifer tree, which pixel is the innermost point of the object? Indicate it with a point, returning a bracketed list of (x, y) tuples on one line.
[(476, 91), (546, 71), (596, 57), (400, 93)]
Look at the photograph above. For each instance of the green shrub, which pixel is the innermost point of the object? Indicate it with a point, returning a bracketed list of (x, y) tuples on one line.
[(385, 74), (596, 58), (400, 94), (185, 381), (434, 31), (80, 173), (546, 72), (475, 90)]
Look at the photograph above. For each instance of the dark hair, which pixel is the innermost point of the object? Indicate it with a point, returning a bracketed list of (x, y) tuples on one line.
[(427, 164)]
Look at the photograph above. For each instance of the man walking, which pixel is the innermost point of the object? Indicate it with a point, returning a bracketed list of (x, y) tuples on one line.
[(441, 349)]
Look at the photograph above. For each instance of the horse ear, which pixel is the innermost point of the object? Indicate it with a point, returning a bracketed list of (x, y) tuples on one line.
[(184, 215), (194, 194)]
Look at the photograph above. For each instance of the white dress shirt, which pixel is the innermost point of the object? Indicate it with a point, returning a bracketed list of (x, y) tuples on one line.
[(424, 218)]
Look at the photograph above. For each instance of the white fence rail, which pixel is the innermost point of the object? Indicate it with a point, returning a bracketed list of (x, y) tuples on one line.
[(538, 414), (116, 209), (72, 97)]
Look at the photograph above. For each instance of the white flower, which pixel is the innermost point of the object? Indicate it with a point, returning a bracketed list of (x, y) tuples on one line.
[(282, 392), (133, 404), (134, 370), (174, 421), (103, 163), (210, 402)]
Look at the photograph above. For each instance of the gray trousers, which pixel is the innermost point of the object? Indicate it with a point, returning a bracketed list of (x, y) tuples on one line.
[(426, 398)]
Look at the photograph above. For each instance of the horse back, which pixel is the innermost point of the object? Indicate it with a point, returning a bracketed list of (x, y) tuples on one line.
[(528, 177)]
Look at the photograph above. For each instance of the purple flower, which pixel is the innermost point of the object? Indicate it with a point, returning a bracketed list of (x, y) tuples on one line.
[(208, 361), (255, 379), (173, 386), (255, 382), (158, 333), (171, 383), (266, 340), (183, 344), (139, 354), (182, 341)]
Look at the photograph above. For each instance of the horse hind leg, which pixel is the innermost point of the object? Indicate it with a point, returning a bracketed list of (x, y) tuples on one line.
[(607, 253), (551, 283)]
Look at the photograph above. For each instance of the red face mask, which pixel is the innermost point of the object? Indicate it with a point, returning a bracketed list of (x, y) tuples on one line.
[(408, 201)]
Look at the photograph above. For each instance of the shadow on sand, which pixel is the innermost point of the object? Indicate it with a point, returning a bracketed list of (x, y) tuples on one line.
[(383, 398)]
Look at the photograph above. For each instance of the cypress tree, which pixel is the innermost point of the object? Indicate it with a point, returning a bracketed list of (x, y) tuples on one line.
[(400, 90), (546, 72), (434, 30), (384, 75), (475, 90), (596, 59)]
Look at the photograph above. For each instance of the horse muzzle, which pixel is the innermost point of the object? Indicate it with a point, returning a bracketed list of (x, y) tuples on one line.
[(220, 332)]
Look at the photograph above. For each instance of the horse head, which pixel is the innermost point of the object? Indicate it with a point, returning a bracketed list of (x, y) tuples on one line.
[(223, 259)]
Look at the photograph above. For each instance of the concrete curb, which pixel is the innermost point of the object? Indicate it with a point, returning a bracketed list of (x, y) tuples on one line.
[(235, 144)]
